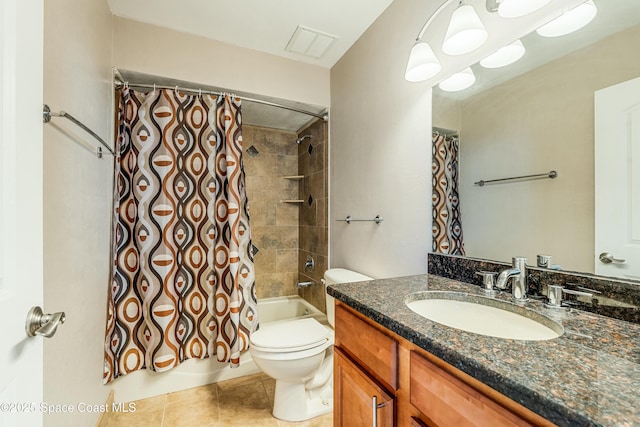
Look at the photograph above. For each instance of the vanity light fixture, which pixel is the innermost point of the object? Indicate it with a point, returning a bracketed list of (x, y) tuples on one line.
[(465, 32), (570, 21), (517, 8), (504, 56), (423, 63), (458, 81)]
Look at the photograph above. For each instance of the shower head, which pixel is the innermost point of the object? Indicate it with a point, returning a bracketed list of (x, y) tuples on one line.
[(302, 138)]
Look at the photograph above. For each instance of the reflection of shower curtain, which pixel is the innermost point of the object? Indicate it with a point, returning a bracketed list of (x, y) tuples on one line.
[(447, 225), (183, 280)]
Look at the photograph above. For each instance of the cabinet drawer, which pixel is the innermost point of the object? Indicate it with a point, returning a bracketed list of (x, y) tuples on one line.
[(371, 348), (448, 401)]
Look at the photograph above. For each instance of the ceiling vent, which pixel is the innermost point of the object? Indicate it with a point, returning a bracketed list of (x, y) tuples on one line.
[(309, 42)]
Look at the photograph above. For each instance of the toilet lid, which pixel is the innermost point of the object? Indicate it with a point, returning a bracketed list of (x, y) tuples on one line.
[(291, 335)]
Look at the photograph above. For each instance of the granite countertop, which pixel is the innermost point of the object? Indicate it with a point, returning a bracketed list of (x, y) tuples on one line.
[(589, 376)]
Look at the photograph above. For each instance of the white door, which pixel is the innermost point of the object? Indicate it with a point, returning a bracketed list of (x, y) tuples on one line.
[(21, 29), (617, 180)]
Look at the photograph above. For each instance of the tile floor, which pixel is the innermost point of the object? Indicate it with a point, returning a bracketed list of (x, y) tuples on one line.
[(245, 401)]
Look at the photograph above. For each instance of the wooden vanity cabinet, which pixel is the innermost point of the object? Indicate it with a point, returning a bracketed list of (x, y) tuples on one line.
[(365, 373), (362, 401), (412, 387)]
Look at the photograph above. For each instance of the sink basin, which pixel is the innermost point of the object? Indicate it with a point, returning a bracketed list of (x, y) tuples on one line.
[(484, 316)]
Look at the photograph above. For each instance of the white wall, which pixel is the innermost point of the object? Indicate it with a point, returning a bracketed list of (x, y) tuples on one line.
[(77, 193), (160, 51), (380, 151), (537, 122)]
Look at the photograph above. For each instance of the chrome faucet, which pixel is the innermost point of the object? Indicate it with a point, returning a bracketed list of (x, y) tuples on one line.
[(304, 284), (518, 274)]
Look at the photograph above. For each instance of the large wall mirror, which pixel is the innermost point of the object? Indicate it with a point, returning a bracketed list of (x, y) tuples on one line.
[(533, 117)]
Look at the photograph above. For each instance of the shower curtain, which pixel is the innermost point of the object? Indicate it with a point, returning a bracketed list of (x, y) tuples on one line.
[(183, 279), (447, 224)]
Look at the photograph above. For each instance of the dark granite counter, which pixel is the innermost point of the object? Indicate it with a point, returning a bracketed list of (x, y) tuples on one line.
[(589, 376)]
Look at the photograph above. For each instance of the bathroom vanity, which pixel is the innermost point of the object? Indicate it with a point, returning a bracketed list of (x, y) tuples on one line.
[(394, 365)]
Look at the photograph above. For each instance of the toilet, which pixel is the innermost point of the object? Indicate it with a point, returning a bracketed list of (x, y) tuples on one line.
[(298, 354)]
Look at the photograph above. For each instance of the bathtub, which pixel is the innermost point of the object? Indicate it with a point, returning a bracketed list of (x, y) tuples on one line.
[(286, 308), (194, 373)]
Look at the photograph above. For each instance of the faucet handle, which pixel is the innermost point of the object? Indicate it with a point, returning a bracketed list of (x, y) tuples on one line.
[(488, 280), (545, 261), (555, 294)]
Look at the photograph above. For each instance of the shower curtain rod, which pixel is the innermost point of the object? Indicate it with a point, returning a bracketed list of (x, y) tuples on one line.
[(119, 84), (46, 118)]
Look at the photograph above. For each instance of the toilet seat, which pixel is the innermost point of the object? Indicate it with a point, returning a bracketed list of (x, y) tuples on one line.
[(290, 336)]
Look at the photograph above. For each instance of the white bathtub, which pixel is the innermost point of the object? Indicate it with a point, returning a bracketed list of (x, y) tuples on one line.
[(194, 373), (285, 308)]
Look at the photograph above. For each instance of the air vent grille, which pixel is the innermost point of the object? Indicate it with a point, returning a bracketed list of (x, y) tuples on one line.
[(309, 42)]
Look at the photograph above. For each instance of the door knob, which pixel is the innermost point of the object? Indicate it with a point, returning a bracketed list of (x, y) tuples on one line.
[(607, 258), (43, 324)]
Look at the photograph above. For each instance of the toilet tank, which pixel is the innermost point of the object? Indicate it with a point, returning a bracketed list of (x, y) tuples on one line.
[(339, 275)]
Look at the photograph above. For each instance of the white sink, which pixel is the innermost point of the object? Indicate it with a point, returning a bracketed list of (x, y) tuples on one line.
[(484, 316)]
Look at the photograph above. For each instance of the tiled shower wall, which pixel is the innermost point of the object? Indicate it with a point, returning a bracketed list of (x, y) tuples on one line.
[(313, 230), (274, 225), (287, 234)]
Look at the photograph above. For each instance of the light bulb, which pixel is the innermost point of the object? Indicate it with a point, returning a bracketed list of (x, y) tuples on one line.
[(422, 64), (465, 32), (504, 56), (570, 21), (458, 81), (518, 8)]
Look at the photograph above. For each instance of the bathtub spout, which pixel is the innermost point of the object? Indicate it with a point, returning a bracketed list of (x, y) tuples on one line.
[(304, 284)]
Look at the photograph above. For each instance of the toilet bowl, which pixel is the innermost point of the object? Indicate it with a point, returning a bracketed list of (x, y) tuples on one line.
[(298, 354)]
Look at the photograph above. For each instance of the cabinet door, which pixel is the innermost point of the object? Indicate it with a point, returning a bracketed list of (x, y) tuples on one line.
[(358, 400)]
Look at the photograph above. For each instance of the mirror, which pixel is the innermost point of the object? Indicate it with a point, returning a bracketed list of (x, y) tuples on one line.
[(532, 117)]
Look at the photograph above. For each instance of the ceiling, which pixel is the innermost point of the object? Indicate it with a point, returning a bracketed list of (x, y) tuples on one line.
[(263, 25), (268, 26)]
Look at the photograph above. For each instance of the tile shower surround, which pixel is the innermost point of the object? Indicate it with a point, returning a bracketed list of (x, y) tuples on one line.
[(313, 228), (274, 225), (463, 269), (286, 234)]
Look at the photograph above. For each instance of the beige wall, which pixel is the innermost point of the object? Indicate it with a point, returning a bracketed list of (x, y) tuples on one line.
[(537, 122), (380, 133), (77, 193), (159, 51), (447, 113)]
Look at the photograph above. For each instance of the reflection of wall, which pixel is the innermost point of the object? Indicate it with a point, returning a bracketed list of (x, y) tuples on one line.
[(537, 122), (274, 225), (77, 194), (313, 216), (446, 113), (380, 130)]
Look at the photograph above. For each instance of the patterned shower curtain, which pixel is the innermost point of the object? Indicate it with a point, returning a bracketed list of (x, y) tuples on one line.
[(183, 279), (447, 224)]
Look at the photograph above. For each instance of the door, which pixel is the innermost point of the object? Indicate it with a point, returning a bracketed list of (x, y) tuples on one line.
[(617, 180), (358, 400), (21, 30)]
